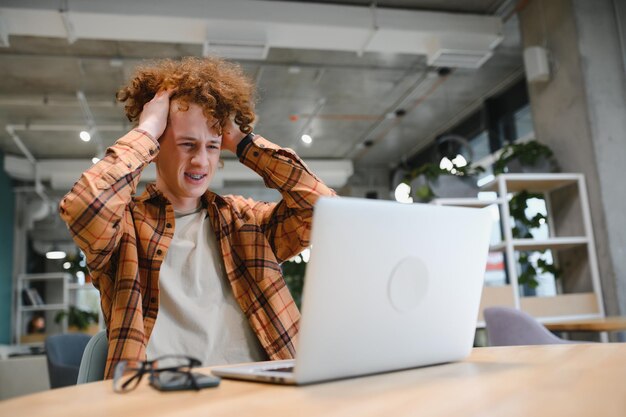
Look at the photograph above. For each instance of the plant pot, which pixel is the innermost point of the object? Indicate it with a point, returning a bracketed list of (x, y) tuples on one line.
[(542, 165), (419, 190), (91, 329), (452, 186)]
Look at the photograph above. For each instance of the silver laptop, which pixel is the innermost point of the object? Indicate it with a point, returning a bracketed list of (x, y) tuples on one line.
[(389, 286)]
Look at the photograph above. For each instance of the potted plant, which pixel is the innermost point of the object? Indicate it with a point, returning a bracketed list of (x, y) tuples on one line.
[(77, 319), (431, 181), (531, 156)]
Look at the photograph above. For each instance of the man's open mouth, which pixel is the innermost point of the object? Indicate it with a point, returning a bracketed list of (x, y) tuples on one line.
[(195, 177)]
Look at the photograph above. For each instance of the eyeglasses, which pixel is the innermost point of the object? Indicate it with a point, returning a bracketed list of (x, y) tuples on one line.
[(128, 374)]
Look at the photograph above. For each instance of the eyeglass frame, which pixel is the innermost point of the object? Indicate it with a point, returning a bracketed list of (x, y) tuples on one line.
[(147, 367)]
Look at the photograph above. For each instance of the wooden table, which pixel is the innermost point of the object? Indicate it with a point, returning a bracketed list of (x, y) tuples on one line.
[(604, 324), (558, 380)]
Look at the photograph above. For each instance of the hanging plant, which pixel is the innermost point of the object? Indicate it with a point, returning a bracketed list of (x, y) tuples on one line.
[(528, 156), (430, 173), (77, 263)]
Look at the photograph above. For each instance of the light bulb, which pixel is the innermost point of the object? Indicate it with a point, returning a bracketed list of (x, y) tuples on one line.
[(85, 136), (459, 161), (402, 193), (55, 254), (446, 164)]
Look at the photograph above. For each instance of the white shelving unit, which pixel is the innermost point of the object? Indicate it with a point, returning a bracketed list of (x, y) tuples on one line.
[(54, 292), (562, 306)]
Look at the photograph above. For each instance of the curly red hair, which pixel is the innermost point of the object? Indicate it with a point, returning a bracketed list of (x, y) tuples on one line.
[(219, 87)]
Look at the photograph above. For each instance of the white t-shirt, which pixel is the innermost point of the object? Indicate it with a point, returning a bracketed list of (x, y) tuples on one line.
[(198, 314)]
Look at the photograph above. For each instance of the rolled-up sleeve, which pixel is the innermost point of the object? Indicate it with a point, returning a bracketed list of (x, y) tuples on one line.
[(286, 224), (99, 200)]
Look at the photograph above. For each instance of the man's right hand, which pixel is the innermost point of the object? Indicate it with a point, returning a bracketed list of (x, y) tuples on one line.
[(153, 118)]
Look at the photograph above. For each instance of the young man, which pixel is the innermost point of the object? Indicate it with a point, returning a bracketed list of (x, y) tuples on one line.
[(180, 269)]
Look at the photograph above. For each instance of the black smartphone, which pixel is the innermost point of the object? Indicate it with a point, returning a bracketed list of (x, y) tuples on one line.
[(175, 381)]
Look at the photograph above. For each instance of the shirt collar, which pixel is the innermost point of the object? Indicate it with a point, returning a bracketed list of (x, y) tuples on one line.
[(153, 193)]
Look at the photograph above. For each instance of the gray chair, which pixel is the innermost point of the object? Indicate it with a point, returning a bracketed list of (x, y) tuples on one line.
[(94, 359), (63, 355), (510, 327)]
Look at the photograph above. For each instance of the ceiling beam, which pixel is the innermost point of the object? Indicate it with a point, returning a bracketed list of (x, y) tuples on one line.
[(62, 173), (455, 39)]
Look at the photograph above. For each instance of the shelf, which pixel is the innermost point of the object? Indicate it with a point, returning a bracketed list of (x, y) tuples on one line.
[(562, 305), (533, 182), (52, 289), (496, 296), (465, 202), (35, 339), (558, 307), (43, 277), (556, 243), (75, 286), (45, 307)]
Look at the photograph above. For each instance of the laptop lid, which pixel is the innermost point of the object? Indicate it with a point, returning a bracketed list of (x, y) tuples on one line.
[(389, 286)]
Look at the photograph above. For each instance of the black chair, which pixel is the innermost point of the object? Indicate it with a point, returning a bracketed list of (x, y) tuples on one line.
[(64, 353)]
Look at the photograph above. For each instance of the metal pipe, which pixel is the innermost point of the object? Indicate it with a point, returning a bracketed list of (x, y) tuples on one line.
[(620, 32), (18, 142), (84, 105), (45, 100), (64, 127), (39, 189), (358, 151), (318, 108)]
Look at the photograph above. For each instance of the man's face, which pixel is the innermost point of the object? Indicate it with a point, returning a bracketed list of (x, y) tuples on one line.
[(189, 156)]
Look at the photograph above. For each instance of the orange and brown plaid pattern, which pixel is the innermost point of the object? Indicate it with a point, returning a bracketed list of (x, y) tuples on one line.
[(125, 239)]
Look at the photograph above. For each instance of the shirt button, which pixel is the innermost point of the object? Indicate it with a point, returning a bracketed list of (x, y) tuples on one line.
[(168, 225), (129, 165), (255, 153), (159, 251), (152, 151), (153, 300), (261, 146)]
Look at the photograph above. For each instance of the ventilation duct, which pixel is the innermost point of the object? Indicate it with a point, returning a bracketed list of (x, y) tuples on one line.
[(235, 50), (456, 58)]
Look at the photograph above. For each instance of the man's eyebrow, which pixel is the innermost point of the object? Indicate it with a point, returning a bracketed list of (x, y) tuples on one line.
[(191, 138), (194, 139)]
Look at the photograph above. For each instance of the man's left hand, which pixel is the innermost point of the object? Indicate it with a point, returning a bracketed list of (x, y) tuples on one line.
[(231, 136)]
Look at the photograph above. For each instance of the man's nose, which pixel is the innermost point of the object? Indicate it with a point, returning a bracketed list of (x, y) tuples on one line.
[(200, 157)]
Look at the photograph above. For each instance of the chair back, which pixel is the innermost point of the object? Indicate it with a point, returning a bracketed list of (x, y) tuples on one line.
[(510, 327), (94, 359), (63, 355)]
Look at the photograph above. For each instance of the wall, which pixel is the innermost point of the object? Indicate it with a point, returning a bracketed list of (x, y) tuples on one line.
[(7, 203), (580, 114), (604, 74)]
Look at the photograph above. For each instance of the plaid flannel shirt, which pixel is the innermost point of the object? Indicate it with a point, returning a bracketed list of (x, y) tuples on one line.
[(125, 239)]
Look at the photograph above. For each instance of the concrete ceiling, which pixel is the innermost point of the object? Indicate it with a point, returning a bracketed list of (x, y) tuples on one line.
[(348, 100)]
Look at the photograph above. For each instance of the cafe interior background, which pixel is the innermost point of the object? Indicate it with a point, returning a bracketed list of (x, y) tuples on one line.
[(419, 101)]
